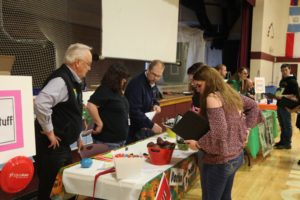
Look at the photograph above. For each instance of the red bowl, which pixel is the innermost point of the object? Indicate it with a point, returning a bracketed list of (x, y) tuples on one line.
[(160, 156)]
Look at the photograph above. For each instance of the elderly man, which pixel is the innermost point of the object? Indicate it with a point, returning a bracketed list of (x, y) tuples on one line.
[(58, 110), (140, 93)]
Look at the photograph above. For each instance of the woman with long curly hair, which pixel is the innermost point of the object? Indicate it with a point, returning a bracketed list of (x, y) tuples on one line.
[(230, 116)]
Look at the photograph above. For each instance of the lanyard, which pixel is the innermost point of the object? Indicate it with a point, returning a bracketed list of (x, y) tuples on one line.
[(110, 170)]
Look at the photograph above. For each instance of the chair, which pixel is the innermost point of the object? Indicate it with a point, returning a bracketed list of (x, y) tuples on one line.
[(92, 150)]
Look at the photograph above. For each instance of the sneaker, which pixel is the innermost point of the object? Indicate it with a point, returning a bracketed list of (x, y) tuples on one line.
[(283, 146)]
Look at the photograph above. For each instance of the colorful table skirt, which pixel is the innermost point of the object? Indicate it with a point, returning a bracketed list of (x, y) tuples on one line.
[(175, 178), (262, 136)]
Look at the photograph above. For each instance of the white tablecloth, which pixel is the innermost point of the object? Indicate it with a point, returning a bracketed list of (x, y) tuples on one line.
[(79, 180)]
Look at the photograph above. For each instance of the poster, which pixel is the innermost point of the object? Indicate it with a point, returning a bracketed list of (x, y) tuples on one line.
[(176, 176), (259, 84), (11, 123), (266, 136), (16, 117)]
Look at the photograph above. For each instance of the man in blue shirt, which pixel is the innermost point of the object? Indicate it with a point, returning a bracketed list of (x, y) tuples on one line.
[(140, 93)]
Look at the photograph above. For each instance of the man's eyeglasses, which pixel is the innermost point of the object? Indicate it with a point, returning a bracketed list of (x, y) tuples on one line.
[(154, 74), (87, 63)]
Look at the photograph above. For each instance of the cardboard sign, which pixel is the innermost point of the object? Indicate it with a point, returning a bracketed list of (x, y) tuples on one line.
[(16, 117), (176, 176), (259, 84), (163, 192)]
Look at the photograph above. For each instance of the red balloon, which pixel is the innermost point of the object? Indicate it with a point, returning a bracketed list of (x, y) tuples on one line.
[(16, 174)]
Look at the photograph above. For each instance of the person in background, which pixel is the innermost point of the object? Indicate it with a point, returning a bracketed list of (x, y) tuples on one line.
[(238, 81), (195, 103), (58, 109), (140, 94), (109, 108), (196, 96), (230, 116), (250, 89), (222, 69), (289, 85)]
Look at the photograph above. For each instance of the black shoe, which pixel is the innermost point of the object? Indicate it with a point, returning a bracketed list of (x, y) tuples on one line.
[(283, 146), (278, 144), (298, 162)]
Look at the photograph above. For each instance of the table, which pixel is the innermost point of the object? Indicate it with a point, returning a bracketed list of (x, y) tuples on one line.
[(180, 173), (263, 106), (259, 137)]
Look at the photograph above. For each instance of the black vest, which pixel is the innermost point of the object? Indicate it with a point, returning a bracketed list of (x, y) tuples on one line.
[(67, 116)]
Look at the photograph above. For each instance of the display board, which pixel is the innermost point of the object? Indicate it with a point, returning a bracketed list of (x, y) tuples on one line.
[(16, 117)]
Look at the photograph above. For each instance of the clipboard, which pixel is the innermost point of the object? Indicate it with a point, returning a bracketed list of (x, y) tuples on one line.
[(278, 92), (192, 126)]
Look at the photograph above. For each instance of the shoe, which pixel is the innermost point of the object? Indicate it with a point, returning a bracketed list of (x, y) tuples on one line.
[(298, 162), (278, 144), (283, 146)]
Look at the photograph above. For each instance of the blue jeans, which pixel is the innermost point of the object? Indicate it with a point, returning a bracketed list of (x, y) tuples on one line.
[(217, 179), (284, 118), (111, 146)]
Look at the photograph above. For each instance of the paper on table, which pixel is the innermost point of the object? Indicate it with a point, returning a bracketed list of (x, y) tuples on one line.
[(150, 115), (86, 132)]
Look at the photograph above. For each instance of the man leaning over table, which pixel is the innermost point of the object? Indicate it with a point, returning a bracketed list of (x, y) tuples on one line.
[(140, 93), (58, 109)]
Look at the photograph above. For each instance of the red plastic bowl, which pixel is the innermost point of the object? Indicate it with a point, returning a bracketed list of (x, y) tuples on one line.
[(159, 156)]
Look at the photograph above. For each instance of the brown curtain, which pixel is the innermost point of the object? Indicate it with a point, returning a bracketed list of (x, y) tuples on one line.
[(251, 2), (245, 42)]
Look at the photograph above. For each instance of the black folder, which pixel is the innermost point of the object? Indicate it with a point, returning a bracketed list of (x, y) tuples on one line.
[(270, 95), (192, 126)]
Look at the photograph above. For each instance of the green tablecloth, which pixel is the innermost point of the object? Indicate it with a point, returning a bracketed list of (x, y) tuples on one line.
[(253, 145)]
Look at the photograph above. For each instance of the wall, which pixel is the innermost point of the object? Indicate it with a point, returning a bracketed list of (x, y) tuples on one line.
[(270, 20), (269, 28)]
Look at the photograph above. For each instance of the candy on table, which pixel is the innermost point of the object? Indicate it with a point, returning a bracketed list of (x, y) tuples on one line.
[(126, 155)]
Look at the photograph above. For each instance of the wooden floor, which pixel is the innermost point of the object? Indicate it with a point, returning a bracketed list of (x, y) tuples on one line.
[(272, 178)]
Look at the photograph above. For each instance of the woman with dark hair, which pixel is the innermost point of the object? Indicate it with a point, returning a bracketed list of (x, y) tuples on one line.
[(196, 96), (230, 115), (109, 108), (239, 80)]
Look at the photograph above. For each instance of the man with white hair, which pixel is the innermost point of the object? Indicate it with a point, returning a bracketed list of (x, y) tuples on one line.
[(58, 109)]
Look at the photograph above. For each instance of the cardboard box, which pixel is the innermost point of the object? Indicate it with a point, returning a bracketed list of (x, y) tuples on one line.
[(130, 167), (6, 63)]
